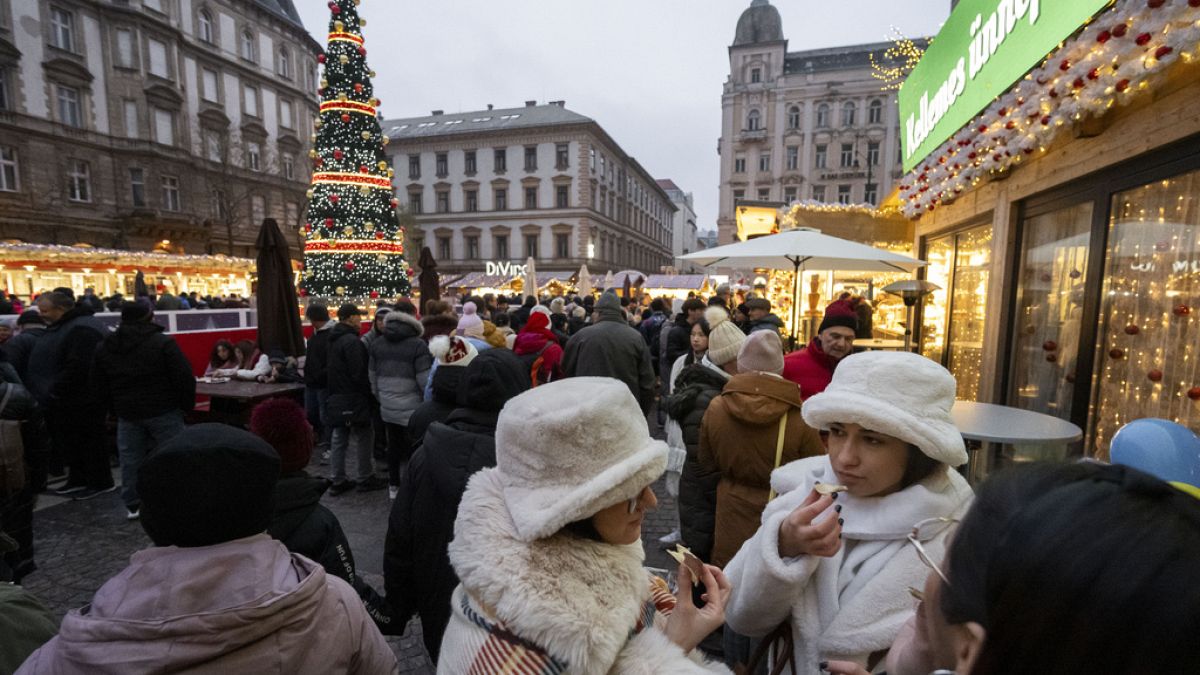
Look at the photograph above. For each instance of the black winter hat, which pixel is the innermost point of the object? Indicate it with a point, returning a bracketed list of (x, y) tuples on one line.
[(317, 312), (133, 312), (210, 484), (445, 384), (491, 379)]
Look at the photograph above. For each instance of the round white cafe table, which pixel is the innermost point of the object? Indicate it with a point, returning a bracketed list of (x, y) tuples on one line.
[(872, 343), (1005, 425)]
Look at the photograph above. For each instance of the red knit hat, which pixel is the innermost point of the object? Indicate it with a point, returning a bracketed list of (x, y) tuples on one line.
[(283, 423), (538, 323)]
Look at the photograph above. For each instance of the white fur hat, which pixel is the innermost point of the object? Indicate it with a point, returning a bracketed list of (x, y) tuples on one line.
[(900, 394), (452, 350), (568, 449)]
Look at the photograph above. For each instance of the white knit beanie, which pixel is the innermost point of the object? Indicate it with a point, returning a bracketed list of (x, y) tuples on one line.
[(901, 394), (557, 306), (451, 350), (724, 338), (568, 449)]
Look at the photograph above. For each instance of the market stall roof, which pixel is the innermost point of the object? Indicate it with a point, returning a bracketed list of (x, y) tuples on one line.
[(691, 282), (78, 257), (447, 279), (806, 248), (482, 280)]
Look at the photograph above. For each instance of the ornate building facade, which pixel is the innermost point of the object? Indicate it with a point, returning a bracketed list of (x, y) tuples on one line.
[(541, 181), (140, 124)]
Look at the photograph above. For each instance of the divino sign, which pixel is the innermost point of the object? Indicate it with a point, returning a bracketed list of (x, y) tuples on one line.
[(983, 48)]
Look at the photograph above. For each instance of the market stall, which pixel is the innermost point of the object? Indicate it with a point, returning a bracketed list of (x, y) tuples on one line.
[(677, 286)]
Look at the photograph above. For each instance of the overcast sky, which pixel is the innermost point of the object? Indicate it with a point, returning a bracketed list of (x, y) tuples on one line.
[(649, 71)]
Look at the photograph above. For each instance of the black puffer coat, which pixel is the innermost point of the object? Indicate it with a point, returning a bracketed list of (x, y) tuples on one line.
[(695, 389), (612, 348), (141, 373), (348, 383), (60, 366), (445, 399)]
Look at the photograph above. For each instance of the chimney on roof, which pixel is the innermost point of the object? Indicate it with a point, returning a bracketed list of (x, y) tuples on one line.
[(438, 112), (489, 106), (530, 104), (561, 104)]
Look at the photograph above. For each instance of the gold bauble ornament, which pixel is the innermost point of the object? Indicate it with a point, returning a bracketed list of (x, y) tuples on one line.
[(341, 98), (375, 102), (369, 225), (312, 154), (391, 173), (386, 140), (343, 59), (362, 22), (339, 26), (356, 3), (371, 73), (382, 260), (340, 290), (382, 166), (364, 191), (366, 135), (309, 194), (348, 230), (324, 83)]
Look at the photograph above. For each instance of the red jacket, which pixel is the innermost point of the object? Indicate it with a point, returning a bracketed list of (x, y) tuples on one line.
[(531, 342), (811, 368)]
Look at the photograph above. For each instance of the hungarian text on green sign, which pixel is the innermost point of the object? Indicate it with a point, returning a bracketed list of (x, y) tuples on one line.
[(984, 47)]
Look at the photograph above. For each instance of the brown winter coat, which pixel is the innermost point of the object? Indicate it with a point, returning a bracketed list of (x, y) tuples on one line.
[(738, 439)]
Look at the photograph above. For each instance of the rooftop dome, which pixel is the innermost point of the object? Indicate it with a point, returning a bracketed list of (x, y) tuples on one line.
[(759, 23)]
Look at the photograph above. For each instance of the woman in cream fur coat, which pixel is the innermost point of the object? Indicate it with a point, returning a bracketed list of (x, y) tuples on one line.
[(838, 568), (547, 547)]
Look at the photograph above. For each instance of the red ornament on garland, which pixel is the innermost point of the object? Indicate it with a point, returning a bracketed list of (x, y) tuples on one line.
[(1064, 65), (379, 235), (1162, 51), (349, 266), (1093, 74), (374, 295), (320, 58), (1078, 83), (362, 51), (1050, 345), (363, 169), (1122, 85), (409, 271), (1116, 353), (1182, 310), (337, 154), (1132, 329), (302, 293), (334, 198), (1052, 357), (1103, 37), (1120, 30), (334, 8), (1155, 375), (1155, 4), (346, 117), (329, 222), (1143, 39), (1194, 392), (358, 87), (1046, 121)]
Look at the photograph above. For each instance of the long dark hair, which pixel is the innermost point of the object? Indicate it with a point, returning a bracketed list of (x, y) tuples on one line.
[(1083, 568), (691, 355), (214, 359), (247, 348)]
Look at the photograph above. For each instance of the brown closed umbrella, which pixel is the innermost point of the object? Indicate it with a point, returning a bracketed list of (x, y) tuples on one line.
[(139, 286), (278, 311), (428, 279)]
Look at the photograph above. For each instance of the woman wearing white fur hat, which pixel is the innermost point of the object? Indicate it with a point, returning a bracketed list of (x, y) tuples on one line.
[(547, 546), (838, 566)]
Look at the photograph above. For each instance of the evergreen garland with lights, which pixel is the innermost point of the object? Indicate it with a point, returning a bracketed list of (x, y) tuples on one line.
[(354, 245)]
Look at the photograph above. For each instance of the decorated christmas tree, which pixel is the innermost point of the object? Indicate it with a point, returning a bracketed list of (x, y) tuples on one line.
[(354, 245)]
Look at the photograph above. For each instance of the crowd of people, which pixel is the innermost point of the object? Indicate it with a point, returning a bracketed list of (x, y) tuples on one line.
[(818, 493)]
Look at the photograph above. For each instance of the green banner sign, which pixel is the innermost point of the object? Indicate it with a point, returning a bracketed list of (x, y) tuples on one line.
[(984, 47)]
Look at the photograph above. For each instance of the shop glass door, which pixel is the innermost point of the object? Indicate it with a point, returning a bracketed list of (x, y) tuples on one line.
[(1049, 312), (1148, 339), (935, 313), (953, 317)]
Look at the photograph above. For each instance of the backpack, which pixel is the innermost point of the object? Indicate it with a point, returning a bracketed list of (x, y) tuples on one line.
[(534, 363)]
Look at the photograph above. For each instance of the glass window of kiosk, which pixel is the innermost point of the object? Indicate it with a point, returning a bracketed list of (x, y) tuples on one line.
[(953, 317)]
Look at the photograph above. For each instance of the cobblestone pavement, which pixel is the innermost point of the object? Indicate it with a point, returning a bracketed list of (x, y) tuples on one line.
[(82, 544)]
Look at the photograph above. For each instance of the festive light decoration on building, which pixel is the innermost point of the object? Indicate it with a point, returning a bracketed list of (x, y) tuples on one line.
[(788, 219), (898, 61), (1109, 62), (354, 244)]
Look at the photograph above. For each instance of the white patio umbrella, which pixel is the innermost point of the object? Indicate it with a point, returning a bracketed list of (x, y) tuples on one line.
[(584, 285), (804, 248), (608, 281), (530, 281)]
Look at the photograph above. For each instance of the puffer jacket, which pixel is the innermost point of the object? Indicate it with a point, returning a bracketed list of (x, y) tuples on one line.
[(60, 364), (349, 384), (399, 367), (738, 439), (142, 373), (20, 346), (696, 387), (611, 348), (244, 606)]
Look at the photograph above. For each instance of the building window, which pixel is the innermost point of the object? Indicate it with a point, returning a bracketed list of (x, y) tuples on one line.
[(164, 126), (531, 245), (755, 75), (818, 193), (158, 59), (253, 156), (764, 162), (443, 201), (848, 112), (444, 248), (847, 157), (414, 166), (822, 157), (248, 50), (214, 147), (562, 245), (794, 117), (442, 165), (753, 121), (208, 85), (739, 195), (289, 166), (562, 196), (472, 247), (739, 164), (286, 116), (764, 194), (822, 115), (871, 194), (250, 100), (793, 157), (206, 27), (170, 194), (469, 162), (562, 156), (62, 29), (79, 182), (873, 153), (501, 246), (471, 199), (500, 160), (414, 203), (531, 198), (258, 209), (69, 112), (531, 158), (155, 5), (124, 48), (219, 206), (131, 120), (789, 194), (9, 174), (137, 187), (501, 199), (6, 98), (875, 112), (283, 63), (844, 194)]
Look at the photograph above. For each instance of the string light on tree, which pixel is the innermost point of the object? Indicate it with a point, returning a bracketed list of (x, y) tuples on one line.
[(898, 61), (354, 245)]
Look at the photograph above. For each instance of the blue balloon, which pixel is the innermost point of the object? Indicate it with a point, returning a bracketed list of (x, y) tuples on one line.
[(1161, 448)]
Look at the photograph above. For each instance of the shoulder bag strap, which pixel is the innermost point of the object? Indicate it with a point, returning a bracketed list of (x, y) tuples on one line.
[(779, 448)]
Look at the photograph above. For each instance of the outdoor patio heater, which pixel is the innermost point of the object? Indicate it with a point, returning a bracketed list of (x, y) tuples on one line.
[(911, 291)]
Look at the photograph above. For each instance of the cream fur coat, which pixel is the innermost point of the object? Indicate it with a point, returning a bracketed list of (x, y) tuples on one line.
[(851, 605), (577, 600)]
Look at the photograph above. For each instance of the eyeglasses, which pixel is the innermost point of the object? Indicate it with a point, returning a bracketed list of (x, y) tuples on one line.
[(924, 531)]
